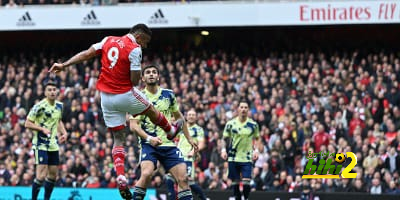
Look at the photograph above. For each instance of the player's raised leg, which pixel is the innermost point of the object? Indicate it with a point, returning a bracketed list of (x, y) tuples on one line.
[(143, 106), (160, 120)]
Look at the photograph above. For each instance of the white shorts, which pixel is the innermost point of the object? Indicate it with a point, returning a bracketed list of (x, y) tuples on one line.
[(116, 106)]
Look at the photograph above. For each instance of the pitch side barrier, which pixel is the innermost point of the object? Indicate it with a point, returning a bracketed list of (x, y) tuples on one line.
[(258, 195), (24, 193)]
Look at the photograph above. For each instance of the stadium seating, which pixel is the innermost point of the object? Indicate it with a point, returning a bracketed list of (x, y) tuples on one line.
[(353, 98)]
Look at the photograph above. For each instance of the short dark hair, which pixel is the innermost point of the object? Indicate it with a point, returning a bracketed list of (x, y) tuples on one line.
[(51, 82), (244, 101), (150, 66), (141, 28)]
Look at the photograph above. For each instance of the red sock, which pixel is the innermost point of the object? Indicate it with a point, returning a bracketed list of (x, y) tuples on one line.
[(118, 154), (162, 122)]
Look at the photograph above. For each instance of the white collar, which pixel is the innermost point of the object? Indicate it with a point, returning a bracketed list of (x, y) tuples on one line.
[(130, 36)]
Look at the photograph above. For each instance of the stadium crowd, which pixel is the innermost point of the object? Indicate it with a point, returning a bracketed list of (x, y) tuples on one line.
[(302, 101)]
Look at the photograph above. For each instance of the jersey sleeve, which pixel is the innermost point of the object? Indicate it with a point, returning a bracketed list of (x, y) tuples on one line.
[(256, 131), (34, 112), (99, 46), (135, 58), (60, 106), (174, 103), (200, 135), (227, 130)]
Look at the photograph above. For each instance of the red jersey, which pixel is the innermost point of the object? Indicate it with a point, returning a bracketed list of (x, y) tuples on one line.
[(119, 55), (320, 138), (353, 125)]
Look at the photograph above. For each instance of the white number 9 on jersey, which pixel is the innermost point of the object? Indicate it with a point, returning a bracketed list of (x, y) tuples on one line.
[(112, 55)]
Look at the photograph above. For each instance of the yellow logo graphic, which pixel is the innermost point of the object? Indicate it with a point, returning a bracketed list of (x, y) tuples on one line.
[(340, 158), (326, 169)]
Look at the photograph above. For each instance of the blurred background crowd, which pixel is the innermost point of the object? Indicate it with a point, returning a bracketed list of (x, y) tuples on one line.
[(303, 101)]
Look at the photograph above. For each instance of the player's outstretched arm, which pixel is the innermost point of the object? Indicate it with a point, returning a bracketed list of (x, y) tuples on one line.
[(135, 127), (77, 58)]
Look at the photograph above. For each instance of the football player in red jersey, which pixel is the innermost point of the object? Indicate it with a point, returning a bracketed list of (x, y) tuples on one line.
[(120, 72)]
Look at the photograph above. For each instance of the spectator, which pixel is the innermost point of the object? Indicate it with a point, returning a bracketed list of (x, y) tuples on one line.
[(376, 187), (358, 186), (330, 186), (211, 170), (4, 173), (318, 186), (78, 169), (290, 184), (202, 181), (266, 176), (275, 162), (92, 181), (215, 183), (392, 161), (157, 182), (257, 182), (371, 160), (276, 186), (393, 188), (288, 156), (320, 138), (345, 186), (11, 4)]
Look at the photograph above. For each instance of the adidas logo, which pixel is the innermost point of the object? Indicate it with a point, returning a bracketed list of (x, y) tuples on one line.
[(90, 19), (25, 20), (158, 18)]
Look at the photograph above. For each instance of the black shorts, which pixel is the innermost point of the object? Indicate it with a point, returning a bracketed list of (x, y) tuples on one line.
[(46, 157)]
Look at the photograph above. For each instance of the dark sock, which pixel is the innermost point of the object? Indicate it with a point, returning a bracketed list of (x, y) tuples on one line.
[(236, 191), (171, 187), (185, 195), (246, 189), (139, 193), (36, 188), (48, 188), (196, 189)]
